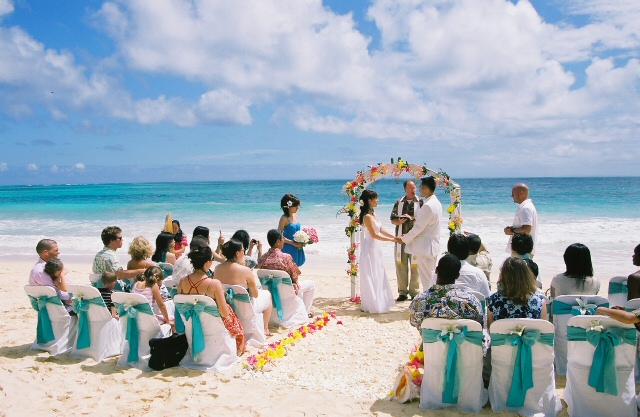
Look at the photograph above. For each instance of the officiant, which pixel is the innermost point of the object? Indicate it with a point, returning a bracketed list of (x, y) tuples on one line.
[(402, 216)]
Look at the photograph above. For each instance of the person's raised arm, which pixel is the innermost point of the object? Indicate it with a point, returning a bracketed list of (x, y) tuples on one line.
[(619, 315)]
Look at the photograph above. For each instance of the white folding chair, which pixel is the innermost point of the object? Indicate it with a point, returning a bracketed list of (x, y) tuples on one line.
[(211, 346), (463, 388), (516, 343), (99, 334), (55, 329), (564, 307), (483, 304), (172, 287), (252, 321), (135, 312), (291, 310), (618, 291), (596, 386), (167, 269)]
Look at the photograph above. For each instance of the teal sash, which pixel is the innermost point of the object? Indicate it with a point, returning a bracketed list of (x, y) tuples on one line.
[(618, 288), (81, 306), (451, 374), (603, 376), (44, 331), (232, 297), (178, 319), (563, 308), (271, 283), (522, 378), (132, 325), (192, 312)]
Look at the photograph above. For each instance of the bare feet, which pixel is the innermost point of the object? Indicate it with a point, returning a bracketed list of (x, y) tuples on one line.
[(267, 333)]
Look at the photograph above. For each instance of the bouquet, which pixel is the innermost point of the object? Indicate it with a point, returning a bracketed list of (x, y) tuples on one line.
[(306, 236), (313, 235)]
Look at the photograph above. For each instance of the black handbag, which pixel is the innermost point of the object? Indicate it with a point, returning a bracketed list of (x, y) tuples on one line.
[(167, 352)]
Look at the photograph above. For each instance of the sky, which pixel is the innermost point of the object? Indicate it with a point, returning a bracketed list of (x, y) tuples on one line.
[(206, 90)]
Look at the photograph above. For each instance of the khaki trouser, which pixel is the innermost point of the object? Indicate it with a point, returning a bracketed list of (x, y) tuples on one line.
[(406, 287)]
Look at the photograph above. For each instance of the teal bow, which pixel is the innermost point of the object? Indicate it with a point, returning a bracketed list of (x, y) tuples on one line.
[(603, 376), (192, 312), (81, 307), (272, 283), (452, 373), (618, 288), (232, 297), (132, 336), (522, 377), (563, 308), (44, 331)]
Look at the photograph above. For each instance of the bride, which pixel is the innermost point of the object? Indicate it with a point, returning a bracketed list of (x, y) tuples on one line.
[(375, 291)]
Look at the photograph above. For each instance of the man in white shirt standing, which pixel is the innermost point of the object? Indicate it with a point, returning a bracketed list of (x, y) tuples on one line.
[(471, 277), (526, 218), (423, 240)]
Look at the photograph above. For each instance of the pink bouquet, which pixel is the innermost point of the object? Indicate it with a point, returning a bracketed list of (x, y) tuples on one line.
[(313, 235)]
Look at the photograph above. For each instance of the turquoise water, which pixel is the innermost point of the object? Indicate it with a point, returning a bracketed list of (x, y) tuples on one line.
[(599, 212)]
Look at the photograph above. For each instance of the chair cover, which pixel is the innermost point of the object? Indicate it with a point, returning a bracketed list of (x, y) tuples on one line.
[(522, 378), (452, 365), (172, 287), (252, 322), (618, 291), (55, 330), (139, 325), (167, 269), (99, 334), (483, 303), (288, 308), (211, 346), (564, 307), (600, 380)]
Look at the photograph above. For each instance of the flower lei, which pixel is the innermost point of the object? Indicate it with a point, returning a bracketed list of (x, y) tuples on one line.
[(278, 349), (415, 367), (363, 178)]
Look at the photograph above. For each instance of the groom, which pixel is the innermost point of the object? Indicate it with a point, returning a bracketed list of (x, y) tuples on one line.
[(423, 240)]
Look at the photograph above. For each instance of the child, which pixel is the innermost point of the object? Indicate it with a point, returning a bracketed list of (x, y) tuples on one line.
[(57, 272), (109, 280), (147, 285)]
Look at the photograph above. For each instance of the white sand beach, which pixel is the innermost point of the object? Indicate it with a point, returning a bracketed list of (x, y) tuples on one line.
[(342, 370)]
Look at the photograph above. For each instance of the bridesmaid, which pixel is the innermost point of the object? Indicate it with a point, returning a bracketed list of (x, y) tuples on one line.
[(289, 225)]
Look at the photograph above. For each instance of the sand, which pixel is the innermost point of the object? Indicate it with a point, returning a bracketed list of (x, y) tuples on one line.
[(343, 370)]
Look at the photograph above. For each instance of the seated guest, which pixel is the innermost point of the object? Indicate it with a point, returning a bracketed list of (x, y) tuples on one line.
[(470, 276), (179, 238), (517, 296), (445, 299), (109, 280), (199, 283), (233, 272), (47, 250), (578, 278), (164, 245), (633, 282), (148, 286), (522, 247), (183, 266), (479, 256), (107, 261), (140, 250), (278, 260), (248, 245), (203, 231)]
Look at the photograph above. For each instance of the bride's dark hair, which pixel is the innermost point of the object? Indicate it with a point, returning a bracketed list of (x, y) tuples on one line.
[(364, 199)]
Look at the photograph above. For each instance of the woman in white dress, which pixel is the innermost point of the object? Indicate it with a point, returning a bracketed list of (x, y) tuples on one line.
[(375, 290)]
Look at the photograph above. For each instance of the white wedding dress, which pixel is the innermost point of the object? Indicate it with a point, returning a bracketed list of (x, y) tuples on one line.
[(375, 292)]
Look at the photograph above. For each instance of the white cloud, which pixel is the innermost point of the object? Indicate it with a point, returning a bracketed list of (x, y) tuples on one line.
[(6, 7), (4, 167), (79, 166), (54, 168), (32, 167)]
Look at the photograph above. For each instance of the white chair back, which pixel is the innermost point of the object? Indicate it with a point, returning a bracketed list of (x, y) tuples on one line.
[(94, 280), (472, 395), (148, 328), (252, 321), (104, 330), (294, 312), (167, 269), (62, 325), (541, 398), (584, 400), (618, 291), (560, 320), (220, 351)]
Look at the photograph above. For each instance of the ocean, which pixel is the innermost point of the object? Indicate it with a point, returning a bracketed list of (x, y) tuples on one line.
[(602, 213)]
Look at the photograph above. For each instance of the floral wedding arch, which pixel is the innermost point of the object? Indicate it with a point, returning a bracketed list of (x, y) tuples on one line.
[(363, 178)]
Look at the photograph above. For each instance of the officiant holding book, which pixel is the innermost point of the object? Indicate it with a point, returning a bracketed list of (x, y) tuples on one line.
[(402, 216)]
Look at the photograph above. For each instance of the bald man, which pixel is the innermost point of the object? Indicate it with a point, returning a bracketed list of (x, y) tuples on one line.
[(526, 218)]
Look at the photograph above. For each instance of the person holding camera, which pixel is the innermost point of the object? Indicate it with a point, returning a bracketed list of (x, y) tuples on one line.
[(248, 244)]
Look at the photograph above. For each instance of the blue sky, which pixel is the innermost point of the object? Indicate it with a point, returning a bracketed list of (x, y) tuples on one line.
[(131, 91)]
